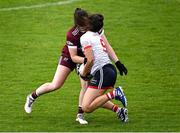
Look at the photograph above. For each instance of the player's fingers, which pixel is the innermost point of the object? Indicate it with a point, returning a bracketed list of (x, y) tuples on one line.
[(126, 71), (121, 73)]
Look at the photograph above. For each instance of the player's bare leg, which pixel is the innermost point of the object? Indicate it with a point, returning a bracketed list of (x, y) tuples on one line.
[(60, 76), (80, 115), (89, 101), (119, 96), (108, 105), (92, 101), (115, 108)]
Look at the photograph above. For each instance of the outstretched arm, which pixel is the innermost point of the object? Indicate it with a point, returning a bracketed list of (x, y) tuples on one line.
[(110, 50), (122, 69)]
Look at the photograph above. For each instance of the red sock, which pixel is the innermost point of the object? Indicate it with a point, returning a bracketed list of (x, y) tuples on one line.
[(110, 95), (115, 108)]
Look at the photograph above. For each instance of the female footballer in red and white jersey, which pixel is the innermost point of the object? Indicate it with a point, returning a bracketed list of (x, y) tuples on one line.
[(103, 72)]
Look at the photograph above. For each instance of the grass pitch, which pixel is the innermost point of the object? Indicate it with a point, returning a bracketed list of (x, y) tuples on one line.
[(145, 35)]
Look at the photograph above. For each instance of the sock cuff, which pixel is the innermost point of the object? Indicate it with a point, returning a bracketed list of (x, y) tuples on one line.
[(34, 95), (108, 96), (115, 108), (80, 110)]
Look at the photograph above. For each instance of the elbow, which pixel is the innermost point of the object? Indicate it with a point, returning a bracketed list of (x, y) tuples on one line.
[(72, 58)]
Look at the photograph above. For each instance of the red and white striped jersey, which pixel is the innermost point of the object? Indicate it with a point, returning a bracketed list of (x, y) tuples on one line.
[(94, 40)]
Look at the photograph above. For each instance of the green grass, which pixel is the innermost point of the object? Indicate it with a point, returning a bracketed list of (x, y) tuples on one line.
[(145, 35)]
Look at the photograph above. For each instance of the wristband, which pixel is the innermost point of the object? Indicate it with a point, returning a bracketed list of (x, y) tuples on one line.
[(85, 60), (118, 63)]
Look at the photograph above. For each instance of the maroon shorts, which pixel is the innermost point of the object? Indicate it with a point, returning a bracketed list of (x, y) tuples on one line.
[(66, 61)]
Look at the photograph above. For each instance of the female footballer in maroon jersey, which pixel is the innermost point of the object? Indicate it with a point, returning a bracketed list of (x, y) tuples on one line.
[(70, 53)]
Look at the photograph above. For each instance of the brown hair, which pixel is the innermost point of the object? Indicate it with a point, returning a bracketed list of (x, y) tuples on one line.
[(96, 22), (80, 17)]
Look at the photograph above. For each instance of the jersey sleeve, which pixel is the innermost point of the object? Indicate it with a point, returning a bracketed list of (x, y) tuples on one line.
[(85, 43), (70, 41)]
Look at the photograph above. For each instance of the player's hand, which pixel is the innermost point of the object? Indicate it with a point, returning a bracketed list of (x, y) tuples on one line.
[(88, 77), (80, 70), (122, 69), (77, 68)]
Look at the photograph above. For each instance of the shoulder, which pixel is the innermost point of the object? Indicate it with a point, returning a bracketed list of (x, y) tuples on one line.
[(86, 35), (72, 32), (72, 36), (85, 38)]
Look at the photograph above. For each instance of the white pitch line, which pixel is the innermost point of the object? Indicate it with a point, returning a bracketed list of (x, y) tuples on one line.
[(38, 6)]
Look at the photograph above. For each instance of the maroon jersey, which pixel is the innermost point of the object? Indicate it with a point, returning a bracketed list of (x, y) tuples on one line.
[(73, 40)]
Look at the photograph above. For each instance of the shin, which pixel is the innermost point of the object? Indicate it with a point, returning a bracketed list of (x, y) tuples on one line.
[(60, 76)]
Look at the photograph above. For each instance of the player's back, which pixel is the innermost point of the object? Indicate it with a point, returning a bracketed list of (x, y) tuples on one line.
[(100, 54)]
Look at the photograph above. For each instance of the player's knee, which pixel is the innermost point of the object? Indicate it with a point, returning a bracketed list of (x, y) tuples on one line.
[(55, 86)]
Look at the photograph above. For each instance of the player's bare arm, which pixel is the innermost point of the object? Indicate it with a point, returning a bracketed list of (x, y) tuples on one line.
[(110, 50), (74, 56), (122, 69)]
